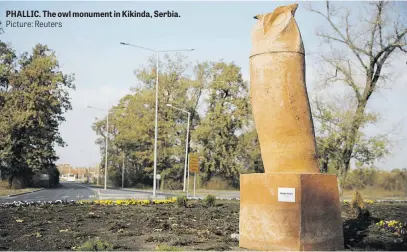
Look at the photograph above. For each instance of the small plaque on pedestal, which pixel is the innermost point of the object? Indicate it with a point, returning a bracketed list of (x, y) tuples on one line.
[(286, 194)]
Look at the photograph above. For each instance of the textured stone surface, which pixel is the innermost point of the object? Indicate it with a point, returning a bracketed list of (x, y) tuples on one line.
[(279, 97), (312, 222), (285, 129)]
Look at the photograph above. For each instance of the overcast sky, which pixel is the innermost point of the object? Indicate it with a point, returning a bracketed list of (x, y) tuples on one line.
[(104, 69)]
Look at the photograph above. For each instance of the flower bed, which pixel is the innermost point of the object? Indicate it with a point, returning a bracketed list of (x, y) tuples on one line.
[(393, 226), (369, 202), (90, 202), (128, 202), (65, 225)]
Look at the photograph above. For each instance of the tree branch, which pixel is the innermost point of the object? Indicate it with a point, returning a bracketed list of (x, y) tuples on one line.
[(372, 84), (377, 22), (401, 49), (374, 75), (395, 44), (344, 39), (380, 32), (348, 76)]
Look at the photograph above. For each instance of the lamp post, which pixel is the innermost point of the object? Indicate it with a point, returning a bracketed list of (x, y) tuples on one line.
[(107, 137), (88, 173), (186, 143), (123, 172), (107, 141), (156, 105)]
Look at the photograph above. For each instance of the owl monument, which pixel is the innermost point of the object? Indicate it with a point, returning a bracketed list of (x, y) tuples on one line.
[(292, 206)]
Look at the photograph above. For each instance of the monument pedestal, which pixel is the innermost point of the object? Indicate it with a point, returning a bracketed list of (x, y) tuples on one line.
[(290, 211)]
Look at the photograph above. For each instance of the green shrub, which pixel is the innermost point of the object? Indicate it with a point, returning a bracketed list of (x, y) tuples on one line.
[(358, 206), (357, 201), (210, 200), (96, 245), (182, 201)]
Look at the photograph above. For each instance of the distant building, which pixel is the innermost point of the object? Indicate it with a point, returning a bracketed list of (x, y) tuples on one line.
[(69, 173), (65, 169), (81, 172)]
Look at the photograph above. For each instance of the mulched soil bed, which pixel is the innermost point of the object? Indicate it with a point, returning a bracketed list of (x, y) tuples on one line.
[(67, 227)]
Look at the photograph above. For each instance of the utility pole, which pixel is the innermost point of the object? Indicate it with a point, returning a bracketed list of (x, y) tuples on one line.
[(107, 141), (88, 167), (186, 143), (156, 105), (97, 179), (123, 172)]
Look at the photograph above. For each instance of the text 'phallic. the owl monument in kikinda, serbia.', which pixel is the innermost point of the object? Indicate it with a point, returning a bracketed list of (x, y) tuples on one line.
[(292, 206)]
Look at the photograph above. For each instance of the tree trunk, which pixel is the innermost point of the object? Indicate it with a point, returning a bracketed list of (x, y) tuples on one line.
[(340, 187), (352, 135), (341, 178), (10, 181), (324, 167), (18, 182)]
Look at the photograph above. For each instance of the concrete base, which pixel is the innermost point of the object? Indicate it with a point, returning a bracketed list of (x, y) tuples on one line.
[(312, 222)]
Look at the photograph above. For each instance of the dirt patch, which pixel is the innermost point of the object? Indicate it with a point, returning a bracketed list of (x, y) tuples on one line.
[(365, 235), (66, 227)]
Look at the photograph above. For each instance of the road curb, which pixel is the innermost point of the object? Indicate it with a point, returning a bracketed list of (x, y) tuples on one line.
[(147, 191), (18, 194), (111, 194)]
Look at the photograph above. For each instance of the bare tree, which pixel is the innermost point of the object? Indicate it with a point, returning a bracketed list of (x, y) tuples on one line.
[(360, 48)]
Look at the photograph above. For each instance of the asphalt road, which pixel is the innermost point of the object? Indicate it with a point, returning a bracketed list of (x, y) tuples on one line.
[(77, 191), (67, 191)]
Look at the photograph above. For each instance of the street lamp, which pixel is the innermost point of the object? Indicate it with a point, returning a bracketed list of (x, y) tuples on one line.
[(107, 136), (186, 144), (123, 172), (156, 104), (88, 174)]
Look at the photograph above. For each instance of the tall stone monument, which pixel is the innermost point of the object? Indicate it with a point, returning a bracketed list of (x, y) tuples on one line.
[(292, 206)]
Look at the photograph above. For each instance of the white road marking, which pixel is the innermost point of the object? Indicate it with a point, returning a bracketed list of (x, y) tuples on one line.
[(64, 192)]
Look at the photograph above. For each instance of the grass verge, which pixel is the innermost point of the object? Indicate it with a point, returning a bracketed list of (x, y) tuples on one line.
[(5, 191), (374, 193)]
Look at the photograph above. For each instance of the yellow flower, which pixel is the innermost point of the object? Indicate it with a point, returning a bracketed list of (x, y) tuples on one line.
[(128, 202)]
